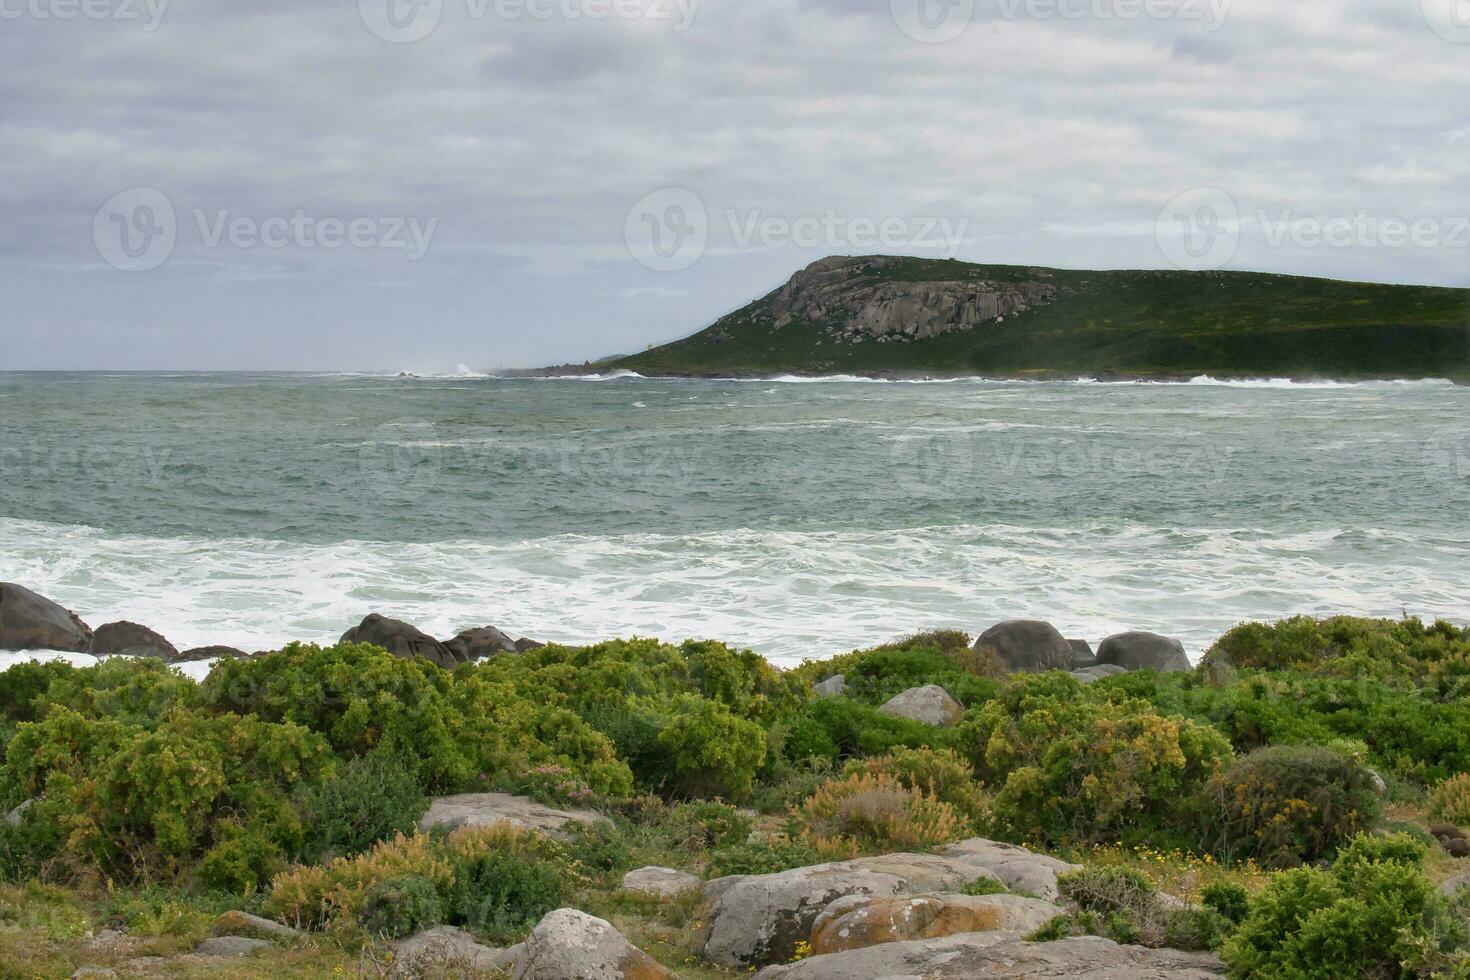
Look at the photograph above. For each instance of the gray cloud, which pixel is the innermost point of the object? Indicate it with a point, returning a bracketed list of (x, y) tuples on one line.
[(1055, 140)]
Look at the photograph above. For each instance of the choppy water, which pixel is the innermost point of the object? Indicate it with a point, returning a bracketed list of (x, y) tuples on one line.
[(799, 518)]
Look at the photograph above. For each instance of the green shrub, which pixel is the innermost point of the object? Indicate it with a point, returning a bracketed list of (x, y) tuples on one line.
[(853, 729), (711, 752), (1450, 800), (1373, 914), (1345, 645), (1288, 805), (371, 798), (1227, 898), (764, 856), (1077, 771), (984, 885), (401, 906), (941, 773), (1123, 905), (600, 847), (499, 894)]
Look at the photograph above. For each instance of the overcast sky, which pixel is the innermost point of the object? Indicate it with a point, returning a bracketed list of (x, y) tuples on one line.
[(385, 184)]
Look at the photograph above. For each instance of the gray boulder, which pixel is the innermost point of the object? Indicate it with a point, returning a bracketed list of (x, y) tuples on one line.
[(572, 945), (14, 817), (525, 645), (1091, 675), (659, 882), (1452, 886), (832, 687), (478, 644), (484, 809), (1144, 651), (401, 640), (858, 921), (237, 923), (1027, 645), (450, 952), (32, 622), (931, 705), (752, 920), (1002, 954), (1014, 866), (1082, 655), (126, 639), (229, 946), (200, 654)]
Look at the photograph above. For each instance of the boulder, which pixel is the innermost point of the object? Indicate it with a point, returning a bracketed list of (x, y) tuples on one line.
[(478, 644), (1015, 867), (1452, 886), (525, 645), (131, 640), (94, 973), (1144, 651), (752, 920), (1027, 645), (229, 946), (1002, 954), (659, 882), (1082, 655), (401, 640), (572, 945), (237, 923), (832, 687), (201, 654), (14, 817), (483, 809), (858, 921), (32, 622), (448, 951), (931, 705), (1379, 786), (1091, 675)]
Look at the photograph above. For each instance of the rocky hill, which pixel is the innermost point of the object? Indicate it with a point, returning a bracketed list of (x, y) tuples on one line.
[(895, 315)]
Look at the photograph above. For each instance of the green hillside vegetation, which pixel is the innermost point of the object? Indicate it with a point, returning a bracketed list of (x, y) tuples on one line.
[(1286, 785), (1132, 323)]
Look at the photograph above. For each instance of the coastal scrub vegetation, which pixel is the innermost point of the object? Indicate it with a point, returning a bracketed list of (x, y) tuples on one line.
[(1256, 786)]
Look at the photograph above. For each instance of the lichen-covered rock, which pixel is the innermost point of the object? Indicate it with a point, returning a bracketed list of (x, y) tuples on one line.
[(832, 687), (1144, 651), (29, 621), (659, 882), (858, 921), (450, 952), (237, 923), (1027, 645), (931, 705), (483, 809), (229, 946), (751, 920), (1015, 867), (1002, 954), (572, 945)]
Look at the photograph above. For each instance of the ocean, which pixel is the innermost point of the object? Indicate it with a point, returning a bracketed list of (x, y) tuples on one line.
[(797, 517)]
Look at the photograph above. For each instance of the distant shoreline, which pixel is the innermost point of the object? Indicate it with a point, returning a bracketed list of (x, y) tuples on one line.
[(1102, 377)]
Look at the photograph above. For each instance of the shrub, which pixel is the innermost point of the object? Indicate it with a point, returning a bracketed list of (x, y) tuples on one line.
[(1373, 914), (878, 812), (1122, 904), (371, 798), (853, 729), (939, 772), (1289, 804), (555, 785), (1346, 645), (1227, 898), (1076, 771), (764, 856), (1450, 800), (401, 906), (711, 752), (499, 893)]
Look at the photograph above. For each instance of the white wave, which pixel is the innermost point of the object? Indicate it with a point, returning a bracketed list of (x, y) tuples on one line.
[(789, 595)]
